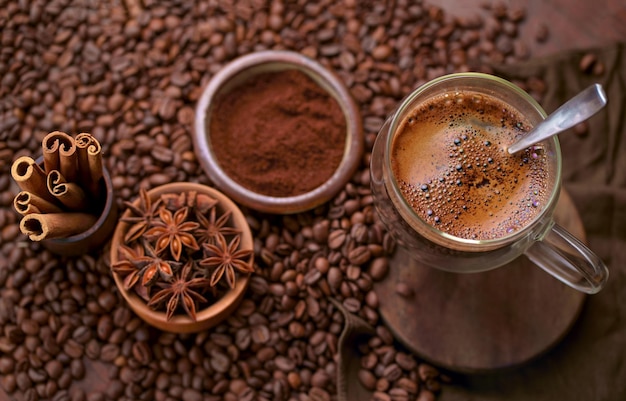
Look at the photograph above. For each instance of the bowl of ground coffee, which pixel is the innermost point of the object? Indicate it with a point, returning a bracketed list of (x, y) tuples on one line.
[(278, 132)]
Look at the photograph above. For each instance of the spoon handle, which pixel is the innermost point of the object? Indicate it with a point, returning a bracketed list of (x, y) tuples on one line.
[(576, 110)]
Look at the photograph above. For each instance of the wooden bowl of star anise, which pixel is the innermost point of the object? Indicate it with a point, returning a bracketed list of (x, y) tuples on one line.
[(182, 256)]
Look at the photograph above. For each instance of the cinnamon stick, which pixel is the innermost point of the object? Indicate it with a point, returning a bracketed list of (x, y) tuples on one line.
[(82, 143), (31, 178), (56, 146), (68, 160), (89, 162), (39, 226), (68, 193), (26, 203)]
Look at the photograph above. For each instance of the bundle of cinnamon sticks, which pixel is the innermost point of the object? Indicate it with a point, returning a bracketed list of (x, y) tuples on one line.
[(57, 201)]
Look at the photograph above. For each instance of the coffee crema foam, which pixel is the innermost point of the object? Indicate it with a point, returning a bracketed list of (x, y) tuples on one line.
[(450, 160)]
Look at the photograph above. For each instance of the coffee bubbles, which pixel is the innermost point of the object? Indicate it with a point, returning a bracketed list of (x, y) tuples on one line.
[(450, 161)]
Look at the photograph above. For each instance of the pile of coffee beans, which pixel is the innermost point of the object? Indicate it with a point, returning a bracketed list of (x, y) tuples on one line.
[(130, 72)]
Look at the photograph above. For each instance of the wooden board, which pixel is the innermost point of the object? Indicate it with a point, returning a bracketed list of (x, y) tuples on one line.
[(481, 321)]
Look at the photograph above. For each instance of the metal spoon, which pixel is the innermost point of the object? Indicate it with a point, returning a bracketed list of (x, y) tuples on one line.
[(576, 110)]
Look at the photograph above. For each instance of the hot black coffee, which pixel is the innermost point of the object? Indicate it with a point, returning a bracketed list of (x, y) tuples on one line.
[(450, 161)]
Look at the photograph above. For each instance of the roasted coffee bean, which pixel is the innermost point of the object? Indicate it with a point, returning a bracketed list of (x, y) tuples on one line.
[(336, 239), (371, 299), (399, 394), (378, 268), (63, 334), (9, 383), (433, 385), (96, 396), (50, 389), (107, 301), (51, 291), (353, 272), (6, 365), (141, 352), (284, 364), (425, 395), (367, 379), (387, 354), (404, 290), (266, 354), (73, 349), (297, 330), (220, 361), (54, 368), (587, 62), (105, 327), (598, 68), (321, 231), (109, 352), (392, 372), (294, 380), (191, 395), (77, 369), (313, 307), (405, 361), (30, 327), (359, 255), (382, 384), (320, 379), (121, 316), (352, 304), (23, 381), (318, 394), (92, 349), (312, 277), (410, 386), (427, 371), (81, 334), (37, 375), (334, 277), (15, 335), (133, 82), (260, 334)]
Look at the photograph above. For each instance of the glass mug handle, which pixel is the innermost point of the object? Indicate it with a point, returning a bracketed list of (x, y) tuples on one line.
[(569, 260)]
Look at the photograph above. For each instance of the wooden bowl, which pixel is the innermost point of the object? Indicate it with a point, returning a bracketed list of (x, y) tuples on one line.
[(211, 314), (93, 238)]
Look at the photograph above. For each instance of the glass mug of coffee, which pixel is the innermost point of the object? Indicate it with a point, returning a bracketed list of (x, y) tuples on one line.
[(447, 189)]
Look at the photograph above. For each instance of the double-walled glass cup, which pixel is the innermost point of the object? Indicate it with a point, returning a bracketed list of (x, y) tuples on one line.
[(545, 243)]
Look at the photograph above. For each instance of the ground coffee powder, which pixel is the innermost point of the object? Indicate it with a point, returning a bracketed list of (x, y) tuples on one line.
[(278, 133)]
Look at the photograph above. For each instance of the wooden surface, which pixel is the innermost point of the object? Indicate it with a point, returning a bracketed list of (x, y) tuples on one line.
[(483, 321), (572, 24)]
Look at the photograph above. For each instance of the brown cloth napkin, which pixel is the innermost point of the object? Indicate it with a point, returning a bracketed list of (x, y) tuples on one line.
[(590, 363)]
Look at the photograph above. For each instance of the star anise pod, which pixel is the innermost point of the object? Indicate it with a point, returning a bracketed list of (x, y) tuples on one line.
[(226, 259), (192, 199), (148, 267), (142, 217), (213, 228), (181, 291), (154, 266), (174, 201), (201, 203), (173, 232), (127, 265)]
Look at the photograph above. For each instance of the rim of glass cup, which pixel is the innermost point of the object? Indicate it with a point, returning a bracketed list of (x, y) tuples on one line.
[(465, 243)]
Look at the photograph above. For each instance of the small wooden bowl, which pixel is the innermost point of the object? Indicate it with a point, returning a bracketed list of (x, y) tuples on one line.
[(98, 234), (210, 315), (255, 63)]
